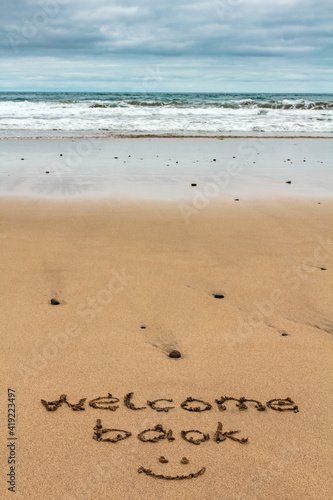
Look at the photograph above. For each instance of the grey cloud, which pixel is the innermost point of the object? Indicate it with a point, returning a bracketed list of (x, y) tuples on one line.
[(212, 34)]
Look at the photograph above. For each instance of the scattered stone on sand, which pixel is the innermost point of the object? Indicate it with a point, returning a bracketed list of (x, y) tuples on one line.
[(142, 327), (116, 157), (54, 302), (60, 154), (236, 199), (175, 354), (218, 296), (214, 159), (323, 269), (184, 461), (288, 182), (163, 460), (193, 184), (22, 158), (47, 172), (284, 334)]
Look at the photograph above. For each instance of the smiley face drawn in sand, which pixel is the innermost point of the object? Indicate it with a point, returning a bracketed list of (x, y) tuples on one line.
[(152, 436), (163, 460), (157, 433)]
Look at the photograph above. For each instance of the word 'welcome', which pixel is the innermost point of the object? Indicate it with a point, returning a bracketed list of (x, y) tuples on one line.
[(110, 403)]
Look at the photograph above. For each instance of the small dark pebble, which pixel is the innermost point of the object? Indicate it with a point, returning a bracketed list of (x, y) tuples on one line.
[(22, 158), (47, 172), (218, 296), (288, 182), (236, 199), (175, 354), (60, 154), (116, 157), (214, 159), (54, 302), (323, 269), (143, 327), (193, 184), (284, 334), (234, 156)]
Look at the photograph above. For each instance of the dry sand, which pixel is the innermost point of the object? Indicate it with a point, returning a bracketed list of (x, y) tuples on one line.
[(116, 267)]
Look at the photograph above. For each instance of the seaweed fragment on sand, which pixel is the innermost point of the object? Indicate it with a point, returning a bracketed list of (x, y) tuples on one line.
[(186, 405), (283, 405), (152, 405), (240, 403), (128, 403), (150, 473)]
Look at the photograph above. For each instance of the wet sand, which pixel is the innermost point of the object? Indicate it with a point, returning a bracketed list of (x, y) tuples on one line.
[(164, 169), (136, 279)]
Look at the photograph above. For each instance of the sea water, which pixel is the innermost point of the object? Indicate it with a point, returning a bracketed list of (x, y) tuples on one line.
[(66, 114)]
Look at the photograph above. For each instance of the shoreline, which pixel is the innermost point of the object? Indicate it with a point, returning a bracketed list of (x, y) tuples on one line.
[(93, 135), (196, 171)]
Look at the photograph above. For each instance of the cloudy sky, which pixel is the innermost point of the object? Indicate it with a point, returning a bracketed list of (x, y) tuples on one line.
[(167, 45)]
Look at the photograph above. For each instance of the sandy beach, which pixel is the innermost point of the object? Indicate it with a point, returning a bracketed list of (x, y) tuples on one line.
[(234, 272)]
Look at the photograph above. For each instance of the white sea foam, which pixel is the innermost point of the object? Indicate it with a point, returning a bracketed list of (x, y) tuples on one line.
[(182, 114)]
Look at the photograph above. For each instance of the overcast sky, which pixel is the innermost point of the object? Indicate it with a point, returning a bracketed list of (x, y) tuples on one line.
[(167, 45)]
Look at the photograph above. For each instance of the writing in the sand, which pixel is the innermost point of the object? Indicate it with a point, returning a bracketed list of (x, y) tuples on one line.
[(190, 404), (159, 432), (155, 434)]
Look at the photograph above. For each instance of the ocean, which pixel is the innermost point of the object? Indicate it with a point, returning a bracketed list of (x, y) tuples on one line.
[(80, 114)]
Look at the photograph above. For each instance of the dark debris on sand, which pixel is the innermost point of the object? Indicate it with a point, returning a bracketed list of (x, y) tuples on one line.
[(54, 302), (175, 354)]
